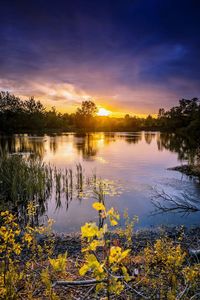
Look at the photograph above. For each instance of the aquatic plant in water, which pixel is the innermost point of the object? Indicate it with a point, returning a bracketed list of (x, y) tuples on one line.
[(25, 180)]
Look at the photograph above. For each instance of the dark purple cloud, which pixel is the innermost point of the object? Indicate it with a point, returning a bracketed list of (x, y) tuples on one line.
[(133, 55)]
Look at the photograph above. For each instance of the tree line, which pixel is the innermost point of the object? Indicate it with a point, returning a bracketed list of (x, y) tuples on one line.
[(17, 115), (185, 117)]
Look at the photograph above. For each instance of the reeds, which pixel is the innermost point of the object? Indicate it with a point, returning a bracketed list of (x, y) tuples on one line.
[(27, 180)]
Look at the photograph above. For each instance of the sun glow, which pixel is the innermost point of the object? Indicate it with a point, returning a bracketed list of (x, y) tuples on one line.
[(103, 112)]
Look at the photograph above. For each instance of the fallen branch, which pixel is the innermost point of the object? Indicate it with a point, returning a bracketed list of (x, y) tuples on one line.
[(81, 282), (77, 283)]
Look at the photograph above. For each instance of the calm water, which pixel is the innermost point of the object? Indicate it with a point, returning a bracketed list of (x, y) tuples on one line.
[(136, 161)]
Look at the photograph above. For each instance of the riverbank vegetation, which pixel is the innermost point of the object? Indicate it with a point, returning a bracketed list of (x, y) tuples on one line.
[(25, 180), (110, 264), (29, 115), (104, 261)]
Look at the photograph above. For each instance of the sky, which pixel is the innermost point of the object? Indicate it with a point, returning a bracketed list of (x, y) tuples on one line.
[(128, 56)]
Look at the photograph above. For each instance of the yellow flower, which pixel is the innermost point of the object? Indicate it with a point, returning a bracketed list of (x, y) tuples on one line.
[(83, 270), (117, 255), (113, 213), (98, 206), (93, 245), (192, 273), (28, 238), (125, 273), (17, 248), (91, 264), (113, 222), (89, 230), (116, 286), (4, 213), (59, 263)]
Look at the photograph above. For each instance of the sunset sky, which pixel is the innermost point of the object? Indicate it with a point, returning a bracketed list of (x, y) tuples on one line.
[(129, 56)]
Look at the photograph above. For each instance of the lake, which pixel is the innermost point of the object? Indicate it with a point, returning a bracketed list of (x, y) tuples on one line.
[(137, 162)]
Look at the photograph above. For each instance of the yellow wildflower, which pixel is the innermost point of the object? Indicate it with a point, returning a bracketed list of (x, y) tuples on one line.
[(117, 255), (89, 230), (98, 206), (91, 264), (59, 263)]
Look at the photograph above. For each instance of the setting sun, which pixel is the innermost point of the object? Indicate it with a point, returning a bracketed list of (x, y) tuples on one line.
[(103, 112)]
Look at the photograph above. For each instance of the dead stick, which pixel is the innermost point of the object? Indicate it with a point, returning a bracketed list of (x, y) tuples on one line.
[(76, 283), (81, 282)]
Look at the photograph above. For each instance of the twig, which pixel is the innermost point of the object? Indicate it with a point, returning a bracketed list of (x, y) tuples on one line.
[(194, 296), (88, 292), (183, 292), (135, 291)]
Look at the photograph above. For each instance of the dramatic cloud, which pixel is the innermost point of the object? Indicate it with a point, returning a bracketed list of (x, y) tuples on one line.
[(130, 56)]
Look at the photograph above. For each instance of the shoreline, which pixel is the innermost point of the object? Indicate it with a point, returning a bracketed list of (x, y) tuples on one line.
[(189, 170), (79, 131), (71, 242)]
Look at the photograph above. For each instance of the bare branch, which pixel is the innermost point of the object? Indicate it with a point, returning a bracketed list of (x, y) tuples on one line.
[(184, 204)]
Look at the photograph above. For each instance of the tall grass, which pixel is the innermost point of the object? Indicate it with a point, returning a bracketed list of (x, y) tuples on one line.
[(27, 180), (22, 179)]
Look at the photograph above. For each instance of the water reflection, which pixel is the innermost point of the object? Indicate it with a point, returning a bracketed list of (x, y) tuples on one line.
[(28, 185), (149, 136), (183, 204), (88, 145), (138, 160), (23, 143), (186, 147)]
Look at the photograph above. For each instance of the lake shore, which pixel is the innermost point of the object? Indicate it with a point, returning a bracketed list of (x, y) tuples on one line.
[(78, 286), (189, 239), (189, 170)]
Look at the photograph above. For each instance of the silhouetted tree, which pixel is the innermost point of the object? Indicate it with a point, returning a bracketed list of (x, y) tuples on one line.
[(185, 115), (85, 115)]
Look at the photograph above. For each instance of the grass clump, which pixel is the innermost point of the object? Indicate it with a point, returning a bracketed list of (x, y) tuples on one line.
[(24, 179)]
